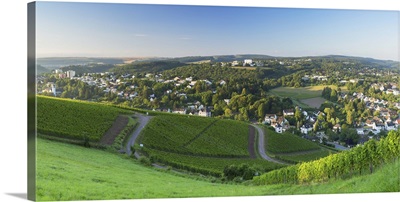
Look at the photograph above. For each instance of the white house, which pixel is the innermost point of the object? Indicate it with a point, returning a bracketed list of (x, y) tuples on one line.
[(288, 112), (360, 131), (306, 128), (269, 118), (205, 112), (379, 126), (278, 128), (179, 111), (337, 128), (390, 126)]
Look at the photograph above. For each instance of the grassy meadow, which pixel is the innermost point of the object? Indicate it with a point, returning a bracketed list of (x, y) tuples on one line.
[(302, 92), (303, 96), (70, 172)]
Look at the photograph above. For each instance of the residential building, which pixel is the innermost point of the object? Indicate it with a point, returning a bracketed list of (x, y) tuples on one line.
[(337, 128), (306, 128), (269, 118), (288, 112), (390, 126), (179, 111), (70, 74), (206, 111), (278, 128)]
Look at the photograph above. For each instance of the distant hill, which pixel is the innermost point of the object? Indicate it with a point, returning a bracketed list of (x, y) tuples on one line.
[(158, 64), (57, 62), (40, 69), (222, 58), (363, 60), (146, 66), (89, 68)]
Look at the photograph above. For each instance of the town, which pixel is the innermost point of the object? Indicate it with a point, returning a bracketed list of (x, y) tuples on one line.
[(372, 106)]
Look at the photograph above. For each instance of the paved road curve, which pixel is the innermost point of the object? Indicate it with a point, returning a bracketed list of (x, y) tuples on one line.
[(339, 147), (261, 148), (143, 120)]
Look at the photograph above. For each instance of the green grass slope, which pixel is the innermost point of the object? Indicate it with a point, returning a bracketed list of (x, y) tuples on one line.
[(69, 172)]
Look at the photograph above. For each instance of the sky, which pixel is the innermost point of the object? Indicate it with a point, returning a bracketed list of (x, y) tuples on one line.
[(137, 30)]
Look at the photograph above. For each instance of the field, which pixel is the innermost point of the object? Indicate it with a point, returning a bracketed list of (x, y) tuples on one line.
[(75, 119), (313, 102), (303, 96), (301, 93), (246, 68), (69, 172)]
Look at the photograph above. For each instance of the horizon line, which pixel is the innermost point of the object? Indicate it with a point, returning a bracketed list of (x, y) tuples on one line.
[(172, 57)]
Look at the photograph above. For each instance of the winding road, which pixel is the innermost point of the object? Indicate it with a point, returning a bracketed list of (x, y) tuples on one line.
[(143, 120), (261, 148)]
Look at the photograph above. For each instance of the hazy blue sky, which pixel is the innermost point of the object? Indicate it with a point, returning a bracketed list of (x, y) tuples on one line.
[(130, 30)]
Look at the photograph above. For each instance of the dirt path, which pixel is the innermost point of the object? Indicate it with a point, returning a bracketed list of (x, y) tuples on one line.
[(142, 120), (118, 125), (252, 139), (261, 148)]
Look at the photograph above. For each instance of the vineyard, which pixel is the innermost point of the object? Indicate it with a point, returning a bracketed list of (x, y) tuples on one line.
[(197, 136), (198, 144), (224, 138), (75, 119), (207, 165), (287, 143), (171, 133), (297, 158), (356, 161)]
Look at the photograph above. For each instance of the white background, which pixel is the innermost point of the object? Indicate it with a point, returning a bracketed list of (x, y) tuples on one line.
[(13, 91)]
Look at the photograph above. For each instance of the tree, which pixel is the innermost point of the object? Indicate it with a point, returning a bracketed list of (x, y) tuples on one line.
[(298, 115), (261, 111), (316, 126), (228, 112), (333, 96), (244, 91), (350, 117)]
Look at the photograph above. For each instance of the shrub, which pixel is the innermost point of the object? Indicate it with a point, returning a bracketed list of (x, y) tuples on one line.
[(145, 161)]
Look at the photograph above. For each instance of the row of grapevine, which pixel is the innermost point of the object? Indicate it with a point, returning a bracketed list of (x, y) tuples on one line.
[(297, 158), (75, 119), (206, 165), (347, 163)]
